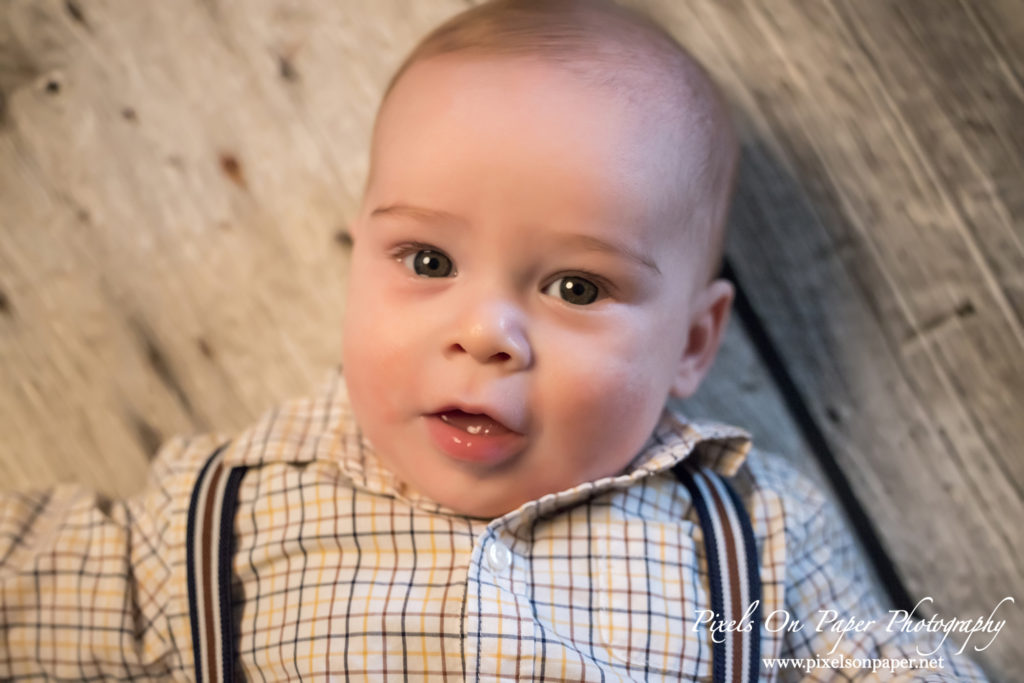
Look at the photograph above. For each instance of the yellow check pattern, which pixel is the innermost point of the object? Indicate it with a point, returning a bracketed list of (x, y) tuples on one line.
[(340, 571)]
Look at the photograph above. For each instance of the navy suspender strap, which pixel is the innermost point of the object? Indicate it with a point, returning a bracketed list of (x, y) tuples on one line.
[(733, 572), (211, 515)]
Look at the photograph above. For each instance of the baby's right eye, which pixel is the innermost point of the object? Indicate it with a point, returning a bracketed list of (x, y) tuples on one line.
[(429, 263)]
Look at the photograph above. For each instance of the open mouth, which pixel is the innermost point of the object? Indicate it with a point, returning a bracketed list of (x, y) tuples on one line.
[(473, 437), (474, 424)]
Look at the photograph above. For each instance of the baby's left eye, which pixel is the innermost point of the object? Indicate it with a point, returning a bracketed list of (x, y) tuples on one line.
[(574, 289)]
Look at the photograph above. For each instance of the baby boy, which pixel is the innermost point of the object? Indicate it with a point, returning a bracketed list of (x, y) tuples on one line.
[(489, 489)]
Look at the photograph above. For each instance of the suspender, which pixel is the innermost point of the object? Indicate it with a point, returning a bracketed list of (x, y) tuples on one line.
[(211, 516), (728, 542), (733, 571)]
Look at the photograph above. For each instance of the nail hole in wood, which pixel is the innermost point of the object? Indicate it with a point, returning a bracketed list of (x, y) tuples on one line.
[(232, 168), (76, 13), (343, 238), (204, 347), (965, 309), (286, 69), (148, 436)]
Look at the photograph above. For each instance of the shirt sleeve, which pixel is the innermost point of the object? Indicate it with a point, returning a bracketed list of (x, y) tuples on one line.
[(828, 582), (89, 588)]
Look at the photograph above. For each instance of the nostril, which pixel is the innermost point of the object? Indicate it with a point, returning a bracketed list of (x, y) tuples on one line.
[(501, 357)]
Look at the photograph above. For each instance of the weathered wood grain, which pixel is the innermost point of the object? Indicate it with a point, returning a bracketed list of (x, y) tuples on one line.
[(878, 234), (151, 197), (176, 178)]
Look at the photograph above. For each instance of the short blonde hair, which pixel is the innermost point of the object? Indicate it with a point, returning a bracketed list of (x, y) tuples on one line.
[(613, 47)]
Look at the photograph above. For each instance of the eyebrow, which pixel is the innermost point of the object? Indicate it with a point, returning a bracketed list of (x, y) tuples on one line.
[(588, 242), (416, 212), (592, 243)]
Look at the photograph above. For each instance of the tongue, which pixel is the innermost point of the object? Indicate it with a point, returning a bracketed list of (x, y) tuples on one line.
[(473, 423)]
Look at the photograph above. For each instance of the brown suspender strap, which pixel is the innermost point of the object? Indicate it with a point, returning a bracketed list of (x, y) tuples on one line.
[(209, 536), (733, 572)]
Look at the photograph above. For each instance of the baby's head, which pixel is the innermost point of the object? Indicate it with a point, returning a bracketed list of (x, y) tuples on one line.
[(532, 273)]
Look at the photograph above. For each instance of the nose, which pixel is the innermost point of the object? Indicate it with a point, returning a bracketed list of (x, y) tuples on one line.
[(493, 333)]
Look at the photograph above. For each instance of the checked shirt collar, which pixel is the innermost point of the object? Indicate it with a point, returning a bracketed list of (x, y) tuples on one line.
[(322, 428)]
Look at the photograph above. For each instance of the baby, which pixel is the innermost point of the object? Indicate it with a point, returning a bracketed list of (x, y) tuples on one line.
[(491, 489), (533, 261)]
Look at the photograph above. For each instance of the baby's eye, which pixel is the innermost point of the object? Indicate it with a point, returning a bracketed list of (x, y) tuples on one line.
[(574, 289), (429, 263)]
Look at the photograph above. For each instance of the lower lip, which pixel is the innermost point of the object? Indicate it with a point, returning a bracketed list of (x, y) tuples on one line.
[(476, 448)]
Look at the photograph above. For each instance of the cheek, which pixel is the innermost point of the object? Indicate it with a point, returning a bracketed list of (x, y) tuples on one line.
[(628, 355), (377, 321), (612, 414), (607, 399), (614, 392), (376, 342)]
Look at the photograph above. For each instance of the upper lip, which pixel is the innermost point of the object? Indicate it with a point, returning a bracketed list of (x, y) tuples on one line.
[(498, 415)]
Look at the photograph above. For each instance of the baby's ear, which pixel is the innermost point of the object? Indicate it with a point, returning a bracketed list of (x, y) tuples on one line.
[(707, 326)]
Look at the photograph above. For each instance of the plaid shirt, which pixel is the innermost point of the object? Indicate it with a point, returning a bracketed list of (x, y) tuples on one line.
[(340, 570)]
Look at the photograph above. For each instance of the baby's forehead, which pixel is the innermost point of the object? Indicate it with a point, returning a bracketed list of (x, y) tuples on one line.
[(669, 134), (618, 49), (668, 111), (631, 62)]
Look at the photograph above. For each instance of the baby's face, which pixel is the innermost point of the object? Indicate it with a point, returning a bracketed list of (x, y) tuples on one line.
[(521, 293)]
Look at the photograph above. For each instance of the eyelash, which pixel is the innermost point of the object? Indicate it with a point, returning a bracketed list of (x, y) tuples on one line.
[(400, 251), (602, 284)]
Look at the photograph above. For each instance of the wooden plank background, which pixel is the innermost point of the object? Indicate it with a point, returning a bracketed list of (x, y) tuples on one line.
[(176, 181)]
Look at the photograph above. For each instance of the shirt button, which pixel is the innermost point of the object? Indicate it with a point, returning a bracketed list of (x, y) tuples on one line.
[(499, 557)]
